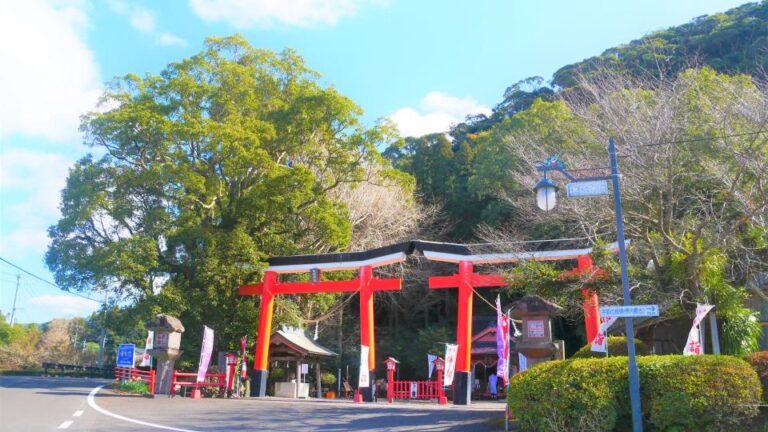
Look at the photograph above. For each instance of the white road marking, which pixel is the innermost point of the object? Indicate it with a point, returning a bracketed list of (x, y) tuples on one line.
[(66, 424), (92, 403), (77, 413)]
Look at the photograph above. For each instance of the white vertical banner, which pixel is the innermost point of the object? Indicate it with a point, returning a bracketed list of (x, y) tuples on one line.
[(364, 379), (431, 364), (450, 363), (146, 360), (205, 353), (600, 343), (523, 360), (693, 344)]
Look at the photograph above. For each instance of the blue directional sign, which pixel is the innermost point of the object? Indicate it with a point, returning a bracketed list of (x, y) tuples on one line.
[(125, 355), (630, 311)]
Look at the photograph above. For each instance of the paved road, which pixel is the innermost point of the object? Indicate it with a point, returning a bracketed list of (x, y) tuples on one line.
[(42, 404), (58, 399)]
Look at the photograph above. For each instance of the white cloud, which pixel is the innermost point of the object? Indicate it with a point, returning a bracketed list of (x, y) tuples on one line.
[(49, 76), (141, 18), (145, 21), (31, 182), (167, 39), (270, 13), (65, 306), (437, 112)]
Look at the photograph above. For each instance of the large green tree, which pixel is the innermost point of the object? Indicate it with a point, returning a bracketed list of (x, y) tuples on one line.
[(221, 160)]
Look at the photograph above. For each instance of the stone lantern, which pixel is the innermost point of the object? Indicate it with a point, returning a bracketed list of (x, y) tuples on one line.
[(165, 349), (537, 344)]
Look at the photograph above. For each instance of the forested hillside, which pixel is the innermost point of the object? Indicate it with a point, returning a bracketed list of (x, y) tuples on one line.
[(237, 154)]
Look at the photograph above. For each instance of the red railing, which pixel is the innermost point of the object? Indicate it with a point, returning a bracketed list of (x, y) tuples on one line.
[(125, 374), (416, 390), (220, 382)]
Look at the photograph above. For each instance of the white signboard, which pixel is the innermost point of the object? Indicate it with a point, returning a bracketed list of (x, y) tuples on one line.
[(450, 363), (587, 188), (630, 311), (363, 379)]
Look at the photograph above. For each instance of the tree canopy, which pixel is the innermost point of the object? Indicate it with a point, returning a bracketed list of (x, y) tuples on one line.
[(221, 160)]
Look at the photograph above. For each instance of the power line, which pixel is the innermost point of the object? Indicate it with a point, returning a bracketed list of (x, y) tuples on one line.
[(45, 280)]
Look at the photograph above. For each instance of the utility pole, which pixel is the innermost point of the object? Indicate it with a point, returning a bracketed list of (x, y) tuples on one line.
[(103, 336), (15, 296)]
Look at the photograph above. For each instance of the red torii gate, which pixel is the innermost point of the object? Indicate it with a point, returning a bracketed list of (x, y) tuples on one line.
[(365, 283), (466, 280)]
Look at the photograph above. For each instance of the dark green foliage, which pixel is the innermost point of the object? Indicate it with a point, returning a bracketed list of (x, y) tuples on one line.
[(681, 393), (734, 41), (617, 346)]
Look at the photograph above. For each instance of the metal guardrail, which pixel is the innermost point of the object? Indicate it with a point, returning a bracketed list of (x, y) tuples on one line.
[(90, 370)]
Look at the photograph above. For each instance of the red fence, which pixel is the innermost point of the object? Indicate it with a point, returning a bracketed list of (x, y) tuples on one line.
[(191, 381), (416, 390), (125, 374)]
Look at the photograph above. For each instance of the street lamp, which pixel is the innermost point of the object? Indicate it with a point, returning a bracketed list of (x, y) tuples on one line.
[(546, 194), (596, 185)]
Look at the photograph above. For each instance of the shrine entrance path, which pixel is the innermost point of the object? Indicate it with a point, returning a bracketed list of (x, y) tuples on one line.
[(271, 414)]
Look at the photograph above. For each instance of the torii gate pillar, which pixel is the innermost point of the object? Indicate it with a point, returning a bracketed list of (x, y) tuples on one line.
[(466, 280), (591, 303), (260, 373)]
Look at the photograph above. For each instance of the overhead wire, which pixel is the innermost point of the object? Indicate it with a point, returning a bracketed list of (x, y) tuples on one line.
[(46, 281)]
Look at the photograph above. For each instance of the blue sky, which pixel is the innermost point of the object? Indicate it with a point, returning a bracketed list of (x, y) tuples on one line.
[(423, 63)]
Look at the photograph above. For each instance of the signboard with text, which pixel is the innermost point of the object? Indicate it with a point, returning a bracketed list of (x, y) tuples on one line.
[(587, 188), (630, 311), (125, 355)]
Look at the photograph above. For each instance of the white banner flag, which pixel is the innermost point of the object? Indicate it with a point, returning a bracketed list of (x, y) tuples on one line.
[(430, 362), (363, 379), (693, 344), (523, 360), (600, 344), (450, 363), (146, 360), (205, 353)]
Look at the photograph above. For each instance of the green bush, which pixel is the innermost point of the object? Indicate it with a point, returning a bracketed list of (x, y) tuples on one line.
[(617, 346), (759, 362), (134, 386), (678, 393), (328, 378)]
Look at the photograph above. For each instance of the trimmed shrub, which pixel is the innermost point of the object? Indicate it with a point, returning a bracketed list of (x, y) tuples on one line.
[(690, 393), (759, 362), (617, 346)]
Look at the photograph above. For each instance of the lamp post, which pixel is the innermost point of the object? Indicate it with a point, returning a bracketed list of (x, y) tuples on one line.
[(546, 191)]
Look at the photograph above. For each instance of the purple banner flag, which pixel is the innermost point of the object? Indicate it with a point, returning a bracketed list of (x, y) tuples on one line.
[(205, 354)]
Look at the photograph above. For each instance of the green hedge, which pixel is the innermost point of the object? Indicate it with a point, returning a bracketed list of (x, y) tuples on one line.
[(759, 362), (617, 346), (678, 393)]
